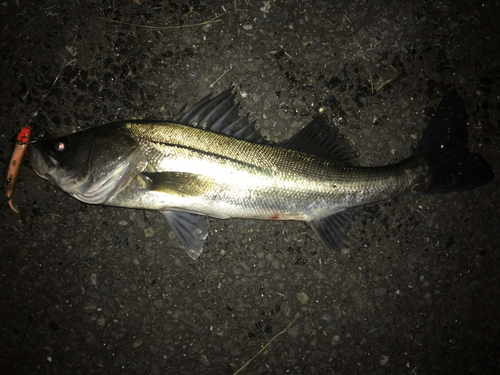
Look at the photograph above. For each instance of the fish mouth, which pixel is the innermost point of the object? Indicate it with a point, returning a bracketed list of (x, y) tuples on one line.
[(42, 163)]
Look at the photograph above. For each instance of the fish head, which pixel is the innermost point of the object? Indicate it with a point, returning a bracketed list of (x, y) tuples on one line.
[(91, 165)]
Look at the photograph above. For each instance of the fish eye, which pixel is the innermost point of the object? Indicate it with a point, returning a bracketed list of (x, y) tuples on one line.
[(60, 145)]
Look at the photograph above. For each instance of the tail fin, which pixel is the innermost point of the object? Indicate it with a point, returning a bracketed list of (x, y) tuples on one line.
[(444, 146)]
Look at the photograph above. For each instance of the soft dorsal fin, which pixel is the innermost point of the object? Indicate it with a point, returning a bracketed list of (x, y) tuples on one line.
[(319, 138), (219, 115)]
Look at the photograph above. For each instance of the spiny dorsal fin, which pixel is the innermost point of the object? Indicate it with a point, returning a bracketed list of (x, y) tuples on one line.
[(319, 138), (219, 115)]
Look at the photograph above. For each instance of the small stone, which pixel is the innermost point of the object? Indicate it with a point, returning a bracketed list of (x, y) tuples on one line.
[(137, 343), (335, 340), (149, 232), (302, 297), (383, 360), (266, 7)]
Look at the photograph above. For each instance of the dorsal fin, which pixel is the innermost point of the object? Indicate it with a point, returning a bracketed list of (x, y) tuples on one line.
[(219, 115), (319, 138)]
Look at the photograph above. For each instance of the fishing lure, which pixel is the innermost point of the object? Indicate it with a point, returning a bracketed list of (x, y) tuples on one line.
[(23, 139)]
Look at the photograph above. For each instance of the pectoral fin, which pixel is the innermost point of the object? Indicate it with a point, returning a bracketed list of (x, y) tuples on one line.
[(179, 183), (191, 230)]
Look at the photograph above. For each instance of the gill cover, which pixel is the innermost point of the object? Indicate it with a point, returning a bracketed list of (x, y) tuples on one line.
[(91, 165)]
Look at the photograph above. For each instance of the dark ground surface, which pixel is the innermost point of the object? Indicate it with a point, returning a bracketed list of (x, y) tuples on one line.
[(91, 289)]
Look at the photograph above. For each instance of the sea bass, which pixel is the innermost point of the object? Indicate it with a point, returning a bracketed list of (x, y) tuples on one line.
[(210, 161)]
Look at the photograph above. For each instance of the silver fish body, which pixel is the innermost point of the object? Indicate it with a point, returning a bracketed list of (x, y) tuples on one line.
[(217, 175), (209, 161)]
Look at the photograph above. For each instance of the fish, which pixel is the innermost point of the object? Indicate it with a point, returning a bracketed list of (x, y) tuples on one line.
[(16, 159), (209, 161)]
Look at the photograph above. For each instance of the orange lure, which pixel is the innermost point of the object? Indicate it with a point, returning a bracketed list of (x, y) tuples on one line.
[(23, 139)]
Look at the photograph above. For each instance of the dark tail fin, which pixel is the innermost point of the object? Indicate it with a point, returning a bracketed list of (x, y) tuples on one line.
[(444, 146)]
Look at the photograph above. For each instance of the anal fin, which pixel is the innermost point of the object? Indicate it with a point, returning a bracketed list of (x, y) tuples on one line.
[(330, 229)]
